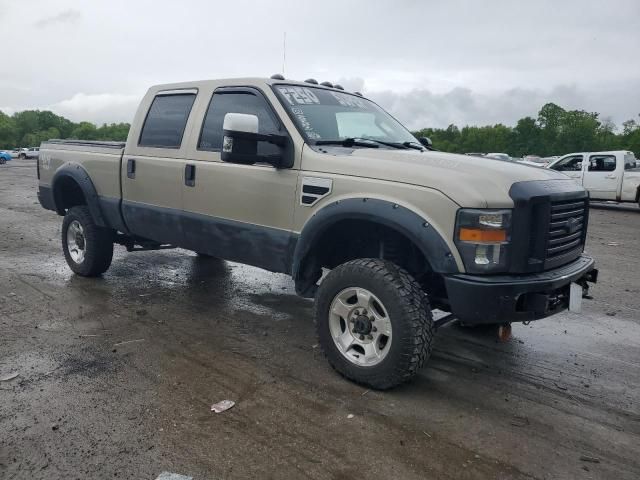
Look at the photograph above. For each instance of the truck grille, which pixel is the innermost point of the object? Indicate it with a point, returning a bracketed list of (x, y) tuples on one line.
[(567, 225)]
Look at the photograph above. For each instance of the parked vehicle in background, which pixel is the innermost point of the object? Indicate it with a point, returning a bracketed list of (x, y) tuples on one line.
[(33, 152), (322, 184), (4, 157), (605, 175), (534, 160), (500, 156)]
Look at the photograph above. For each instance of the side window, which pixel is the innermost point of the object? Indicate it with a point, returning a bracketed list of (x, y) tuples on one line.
[(166, 121), (630, 162), (569, 164), (236, 102), (602, 163)]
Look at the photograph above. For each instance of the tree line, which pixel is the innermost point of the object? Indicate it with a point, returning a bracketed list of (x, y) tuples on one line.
[(31, 127), (555, 131)]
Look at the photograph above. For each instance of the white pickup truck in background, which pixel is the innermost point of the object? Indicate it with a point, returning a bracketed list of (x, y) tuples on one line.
[(605, 175)]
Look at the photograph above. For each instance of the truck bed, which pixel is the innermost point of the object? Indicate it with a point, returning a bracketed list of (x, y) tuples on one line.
[(57, 144), (101, 160)]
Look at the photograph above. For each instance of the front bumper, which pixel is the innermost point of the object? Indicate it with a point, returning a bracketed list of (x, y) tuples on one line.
[(477, 299)]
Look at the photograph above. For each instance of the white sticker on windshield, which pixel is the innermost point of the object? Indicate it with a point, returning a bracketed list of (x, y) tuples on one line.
[(349, 100), (299, 95)]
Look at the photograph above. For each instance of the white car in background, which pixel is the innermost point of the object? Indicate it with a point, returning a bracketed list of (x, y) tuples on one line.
[(610, 175), (33, 152), (535, 160), (24, 153), (500, 156)]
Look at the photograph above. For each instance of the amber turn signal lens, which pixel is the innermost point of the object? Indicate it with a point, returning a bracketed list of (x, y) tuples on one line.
[(477, 235)]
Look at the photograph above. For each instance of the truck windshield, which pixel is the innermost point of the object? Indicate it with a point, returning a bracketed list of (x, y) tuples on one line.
[(327, 116)]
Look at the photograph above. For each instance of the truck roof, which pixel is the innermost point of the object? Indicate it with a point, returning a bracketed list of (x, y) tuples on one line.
[(247, 81)]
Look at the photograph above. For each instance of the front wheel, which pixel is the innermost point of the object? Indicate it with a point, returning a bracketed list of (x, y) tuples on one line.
[(374, 323), (87, 247)]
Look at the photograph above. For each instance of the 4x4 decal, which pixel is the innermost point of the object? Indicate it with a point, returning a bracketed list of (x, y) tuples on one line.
[(314, 188)]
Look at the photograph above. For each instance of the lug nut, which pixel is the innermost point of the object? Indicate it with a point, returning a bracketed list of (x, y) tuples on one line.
[(370, 337), (361, 337), (371, 319), (374, 329)]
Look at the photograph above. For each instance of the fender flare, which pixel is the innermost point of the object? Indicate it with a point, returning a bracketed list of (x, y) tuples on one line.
[(81, 177), (397, 217)]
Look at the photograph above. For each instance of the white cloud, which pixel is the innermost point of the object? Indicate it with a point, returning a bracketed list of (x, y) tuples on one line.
[(98, 108), (66, 16), (429, 62)]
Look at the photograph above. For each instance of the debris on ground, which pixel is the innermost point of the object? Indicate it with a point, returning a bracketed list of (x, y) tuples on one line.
[(613, 244), (9, 377), (129, 341), (590, 459), (172, 476), (520, 421), (351, 415), (222, 406)]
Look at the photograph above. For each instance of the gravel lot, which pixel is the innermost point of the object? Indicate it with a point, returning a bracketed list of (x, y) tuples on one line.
[(117, 374)]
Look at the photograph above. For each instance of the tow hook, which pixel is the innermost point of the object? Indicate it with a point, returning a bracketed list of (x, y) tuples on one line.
[(504, 332)]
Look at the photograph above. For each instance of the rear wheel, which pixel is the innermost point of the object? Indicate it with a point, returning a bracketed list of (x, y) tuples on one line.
[(22, 156), (2, 161), (374, 323), (87, 247)]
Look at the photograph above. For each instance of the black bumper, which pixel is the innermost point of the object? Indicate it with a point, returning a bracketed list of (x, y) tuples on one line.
[(476, 299)]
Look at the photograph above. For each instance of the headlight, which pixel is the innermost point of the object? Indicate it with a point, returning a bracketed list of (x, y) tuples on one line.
[(483, 238)]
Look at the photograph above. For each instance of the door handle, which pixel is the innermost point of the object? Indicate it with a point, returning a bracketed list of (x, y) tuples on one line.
[(190, 175), (131, 168), (612, 176)]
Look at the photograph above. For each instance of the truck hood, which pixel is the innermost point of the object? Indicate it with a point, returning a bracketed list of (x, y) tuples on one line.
[(469, 181)]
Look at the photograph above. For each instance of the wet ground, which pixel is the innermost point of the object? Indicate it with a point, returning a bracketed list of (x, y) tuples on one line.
[(116, 375)]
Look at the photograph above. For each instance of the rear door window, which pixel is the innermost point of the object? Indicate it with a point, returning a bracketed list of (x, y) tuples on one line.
[(602, 163), (630, 162), (166, 120)]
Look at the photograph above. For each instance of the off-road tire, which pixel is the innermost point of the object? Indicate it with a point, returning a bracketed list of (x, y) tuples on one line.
[(409, 312), (99, 243)]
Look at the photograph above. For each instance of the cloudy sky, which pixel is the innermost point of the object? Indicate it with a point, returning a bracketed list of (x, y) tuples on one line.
[(430, 63)]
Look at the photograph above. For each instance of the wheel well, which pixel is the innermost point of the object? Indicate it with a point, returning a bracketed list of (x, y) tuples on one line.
[(348, 240), (67, 193)]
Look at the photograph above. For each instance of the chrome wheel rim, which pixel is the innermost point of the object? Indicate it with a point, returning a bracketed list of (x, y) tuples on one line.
[(76, 242), (360, 326)]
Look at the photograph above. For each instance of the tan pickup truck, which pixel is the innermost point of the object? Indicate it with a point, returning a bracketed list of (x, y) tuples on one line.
[(323, 185)]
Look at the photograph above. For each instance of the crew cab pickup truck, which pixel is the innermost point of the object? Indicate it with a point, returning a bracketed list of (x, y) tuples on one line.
[(323, 185), (605, 175)]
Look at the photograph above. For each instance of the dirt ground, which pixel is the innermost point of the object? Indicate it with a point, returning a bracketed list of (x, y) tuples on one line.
[(117, 374)]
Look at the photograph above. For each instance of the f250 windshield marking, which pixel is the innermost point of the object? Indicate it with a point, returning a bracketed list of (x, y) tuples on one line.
[(322, 114)]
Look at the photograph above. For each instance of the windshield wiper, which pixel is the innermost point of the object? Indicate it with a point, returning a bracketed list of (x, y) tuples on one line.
[(414, 145), (348, 142), (362, 142)]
